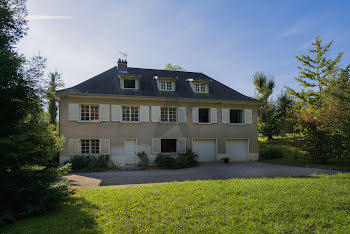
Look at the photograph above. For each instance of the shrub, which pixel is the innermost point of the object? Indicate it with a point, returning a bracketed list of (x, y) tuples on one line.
[(143, 159), (31, 191), (89, 163), (165, 161), (271, 153), (182, 160)]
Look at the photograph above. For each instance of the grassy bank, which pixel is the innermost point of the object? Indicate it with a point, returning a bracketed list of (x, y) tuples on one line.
[(310, 204), (291, 156)]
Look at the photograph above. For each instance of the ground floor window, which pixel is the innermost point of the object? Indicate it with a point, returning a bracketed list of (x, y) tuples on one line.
[(90, 146), (168, 145)]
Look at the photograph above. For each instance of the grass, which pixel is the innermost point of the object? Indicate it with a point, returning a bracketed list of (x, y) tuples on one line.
[(315, 204), (291, 156)]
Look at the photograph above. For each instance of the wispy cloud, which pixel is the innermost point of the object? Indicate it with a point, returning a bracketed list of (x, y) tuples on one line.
[(297, 28), (47, 17)]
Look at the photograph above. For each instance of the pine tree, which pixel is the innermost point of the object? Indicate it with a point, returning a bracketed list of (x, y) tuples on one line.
[(314, 74), (55, 81)]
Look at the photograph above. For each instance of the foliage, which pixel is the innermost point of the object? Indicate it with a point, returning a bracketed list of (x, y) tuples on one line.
[(271, 153), (143, 159), (271, 115), (89, 163), (33, 190), (315, 72), (173, 67), (313, 204), (182, 160), (54, 83)]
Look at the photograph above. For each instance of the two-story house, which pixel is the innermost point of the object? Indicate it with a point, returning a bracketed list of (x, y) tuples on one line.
[(127, 110)]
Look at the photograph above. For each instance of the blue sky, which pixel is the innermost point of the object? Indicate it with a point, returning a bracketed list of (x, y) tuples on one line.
[(227, 40)]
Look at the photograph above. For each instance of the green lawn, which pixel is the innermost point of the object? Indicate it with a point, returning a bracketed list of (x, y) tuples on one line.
[(291, 156), (316, 204)]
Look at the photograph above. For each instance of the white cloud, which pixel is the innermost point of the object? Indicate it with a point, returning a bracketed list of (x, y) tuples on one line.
[(47, 17), (297, 28)]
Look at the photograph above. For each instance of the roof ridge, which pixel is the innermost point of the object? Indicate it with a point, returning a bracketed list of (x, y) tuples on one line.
[(164, 70)]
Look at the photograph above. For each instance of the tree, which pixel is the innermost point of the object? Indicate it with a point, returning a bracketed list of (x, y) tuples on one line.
[(272, 114), (173, 67), (315, 72), (55, 81)]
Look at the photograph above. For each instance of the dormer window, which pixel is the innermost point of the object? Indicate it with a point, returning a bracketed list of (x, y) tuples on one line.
[(201, 87), (129, 83), (166, 85)]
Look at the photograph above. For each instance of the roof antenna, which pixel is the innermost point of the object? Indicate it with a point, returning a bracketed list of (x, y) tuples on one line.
[(124, 54)]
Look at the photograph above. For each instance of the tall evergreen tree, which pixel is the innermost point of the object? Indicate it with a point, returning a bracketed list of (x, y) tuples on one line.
[(314, 73), (55, 81)]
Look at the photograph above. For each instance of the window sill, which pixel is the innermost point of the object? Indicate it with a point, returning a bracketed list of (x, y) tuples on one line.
[(169, 122), (132, 122), (204, 123), (89, 121), (237, 124)]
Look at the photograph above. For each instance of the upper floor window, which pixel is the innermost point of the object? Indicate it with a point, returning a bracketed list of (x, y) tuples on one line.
[(166, 85), (89, 112), (236, 116), (203, 115), (130, 113), (90, 146), (129, 83), (168, 114), (200, 87)]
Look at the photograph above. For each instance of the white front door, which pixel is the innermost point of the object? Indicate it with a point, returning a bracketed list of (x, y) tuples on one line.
[(130, 151), (236, 149), (205, 148)]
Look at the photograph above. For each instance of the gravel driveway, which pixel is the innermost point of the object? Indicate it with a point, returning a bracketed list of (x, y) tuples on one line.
[(203, 172)]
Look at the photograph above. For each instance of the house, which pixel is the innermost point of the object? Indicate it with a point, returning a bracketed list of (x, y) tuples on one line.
[(126, 110)]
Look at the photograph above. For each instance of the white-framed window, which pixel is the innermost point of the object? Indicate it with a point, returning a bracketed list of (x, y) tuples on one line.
[(89, 146), (200, 88), (236, 116), (129, 83), (89, 112), (166, 85), (168, 114), (130, 113)]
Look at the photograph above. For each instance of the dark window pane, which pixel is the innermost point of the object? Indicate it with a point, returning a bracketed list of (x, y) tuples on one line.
[(129, 84), (235, 116), (168, 145), (203, 115)]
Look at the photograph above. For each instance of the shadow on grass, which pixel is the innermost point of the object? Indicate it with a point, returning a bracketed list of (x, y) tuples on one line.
[(74, 216)]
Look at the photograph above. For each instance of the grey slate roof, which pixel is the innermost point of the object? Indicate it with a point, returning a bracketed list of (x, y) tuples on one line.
[(108, 83)]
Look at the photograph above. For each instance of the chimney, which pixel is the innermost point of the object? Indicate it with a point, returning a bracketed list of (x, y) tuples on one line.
[(122, 65)]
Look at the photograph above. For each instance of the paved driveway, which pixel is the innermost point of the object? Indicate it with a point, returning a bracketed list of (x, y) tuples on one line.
[(203, 172)]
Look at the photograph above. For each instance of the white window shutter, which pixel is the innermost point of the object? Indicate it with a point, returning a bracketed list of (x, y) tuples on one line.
[(73, 111), (137, 84), (155, 113), (195, 114), (116, 112), (181, 145), (182, 114), (225, 115), (73, 146), (248, 116), (105, 146), (213, 115), (104, 112), (156, 145), (144, 113)]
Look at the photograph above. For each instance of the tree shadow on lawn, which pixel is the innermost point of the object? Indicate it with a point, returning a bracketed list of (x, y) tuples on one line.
[(74, 216)]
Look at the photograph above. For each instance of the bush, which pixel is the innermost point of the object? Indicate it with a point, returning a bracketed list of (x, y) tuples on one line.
[(89, 163), (182, 160), (271, 153), (31, 191), (143, 159)]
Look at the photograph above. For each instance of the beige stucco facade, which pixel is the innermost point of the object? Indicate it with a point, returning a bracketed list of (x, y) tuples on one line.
[(143, 132)]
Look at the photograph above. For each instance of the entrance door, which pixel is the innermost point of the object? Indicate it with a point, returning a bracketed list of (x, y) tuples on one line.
[(130, 151)]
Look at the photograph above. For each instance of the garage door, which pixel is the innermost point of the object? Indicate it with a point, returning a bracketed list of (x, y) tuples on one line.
[(236, 149), (205, 148)]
